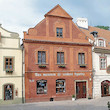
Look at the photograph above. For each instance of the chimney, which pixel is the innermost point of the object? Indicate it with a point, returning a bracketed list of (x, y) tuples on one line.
[(82, 22)]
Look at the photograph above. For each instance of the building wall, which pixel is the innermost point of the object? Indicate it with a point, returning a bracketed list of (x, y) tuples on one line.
[(43, 38), (71, 63), (99, 75), (10, 47)]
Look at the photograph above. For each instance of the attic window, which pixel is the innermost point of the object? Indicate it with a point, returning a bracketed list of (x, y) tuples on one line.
[(101, 42), (59, 32), (94, 33)]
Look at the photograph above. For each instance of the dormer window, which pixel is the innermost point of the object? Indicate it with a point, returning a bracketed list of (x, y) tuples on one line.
[(59, 32), (94, 33), (101, 43)]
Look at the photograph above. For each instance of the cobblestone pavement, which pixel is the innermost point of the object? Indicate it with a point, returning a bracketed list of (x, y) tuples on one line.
[(81, 104)]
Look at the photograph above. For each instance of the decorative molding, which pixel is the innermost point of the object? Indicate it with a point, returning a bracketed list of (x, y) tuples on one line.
[(11, 48), (10, 37), (55, 42), (57, 71)]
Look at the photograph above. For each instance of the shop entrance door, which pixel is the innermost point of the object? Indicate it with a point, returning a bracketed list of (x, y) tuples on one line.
[(81, 89), (105, 88)]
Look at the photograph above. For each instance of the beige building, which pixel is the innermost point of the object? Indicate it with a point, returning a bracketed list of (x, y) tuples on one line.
[(10, 67)]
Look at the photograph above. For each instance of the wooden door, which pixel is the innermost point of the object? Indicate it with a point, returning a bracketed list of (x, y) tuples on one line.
[(80, 90)]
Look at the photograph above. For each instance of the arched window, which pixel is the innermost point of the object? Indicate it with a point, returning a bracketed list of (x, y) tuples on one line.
[(60, 85), (105, 88), (41, 86), (8, 92)]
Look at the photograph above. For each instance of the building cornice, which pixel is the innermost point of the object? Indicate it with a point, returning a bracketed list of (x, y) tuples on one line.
[(10, 48), (11, 76), (55, 42), (100, 50), (57, 71), (10, 37)]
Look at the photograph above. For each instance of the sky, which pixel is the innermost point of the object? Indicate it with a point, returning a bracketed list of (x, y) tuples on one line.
[(20, 15)]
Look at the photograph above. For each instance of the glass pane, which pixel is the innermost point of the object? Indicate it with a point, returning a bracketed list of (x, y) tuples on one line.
[(39, 57), (43, 58), (79, 58), (10, 66), (6, 59), (83, 58), (58, 57), (84, 89), (8, 92), (60, 86), (41, 87), (6, 66), (62, 57)]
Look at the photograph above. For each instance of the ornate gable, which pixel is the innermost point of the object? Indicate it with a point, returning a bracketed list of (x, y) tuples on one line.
[(59, 12)]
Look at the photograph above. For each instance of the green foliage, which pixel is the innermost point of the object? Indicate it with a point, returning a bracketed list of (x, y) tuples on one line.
[(73, 96), (103, 27)]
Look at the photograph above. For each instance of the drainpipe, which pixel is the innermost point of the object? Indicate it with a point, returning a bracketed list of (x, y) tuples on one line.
[(22, 75), (92, 74)]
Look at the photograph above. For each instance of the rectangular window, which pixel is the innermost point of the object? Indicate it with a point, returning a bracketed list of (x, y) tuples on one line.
[(102, 63), (60, 57), (42, 87), (60, 86), (101, 43), (59, 32), (8, 63), (41, 57), (81, 58)]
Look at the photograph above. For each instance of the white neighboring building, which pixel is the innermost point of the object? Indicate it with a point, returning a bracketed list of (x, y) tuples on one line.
[(100, 39), (10, 67)]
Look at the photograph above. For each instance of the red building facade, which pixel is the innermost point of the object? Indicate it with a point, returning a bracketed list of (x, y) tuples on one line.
[(58, 59)]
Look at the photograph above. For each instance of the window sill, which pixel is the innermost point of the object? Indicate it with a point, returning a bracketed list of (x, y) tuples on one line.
[(42, 66), (61, 93), (61, 65), (83, 65)]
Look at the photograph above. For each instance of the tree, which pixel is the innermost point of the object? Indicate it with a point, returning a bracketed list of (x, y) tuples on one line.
[(103, 27)]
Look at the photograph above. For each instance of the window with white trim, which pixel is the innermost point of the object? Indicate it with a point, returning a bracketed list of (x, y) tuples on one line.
[(60, 57), (81, 58), (41, 57), (102, 62), (59, 32), (101, 42)]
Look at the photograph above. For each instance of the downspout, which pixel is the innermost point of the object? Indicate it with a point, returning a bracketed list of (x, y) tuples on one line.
[(22, 76)]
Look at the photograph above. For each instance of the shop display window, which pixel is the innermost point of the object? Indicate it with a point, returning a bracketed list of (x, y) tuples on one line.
[(60, 86), (42, 87)]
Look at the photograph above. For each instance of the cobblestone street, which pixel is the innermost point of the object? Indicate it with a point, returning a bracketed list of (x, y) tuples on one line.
[(81, 104)]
